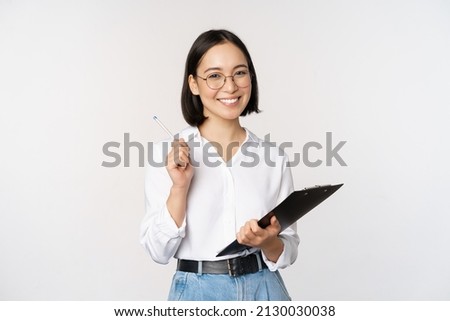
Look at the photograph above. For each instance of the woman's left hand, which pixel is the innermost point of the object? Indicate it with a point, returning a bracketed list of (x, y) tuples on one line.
[(266, 239)]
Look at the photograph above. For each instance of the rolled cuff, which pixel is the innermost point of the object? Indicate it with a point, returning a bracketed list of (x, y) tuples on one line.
[(167, 225), (287, 257)]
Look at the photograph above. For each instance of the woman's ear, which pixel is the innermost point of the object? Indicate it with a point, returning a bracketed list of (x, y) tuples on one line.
[(193, 85)]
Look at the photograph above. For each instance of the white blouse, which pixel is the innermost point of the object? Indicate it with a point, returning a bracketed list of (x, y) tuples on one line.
[(222, 197)]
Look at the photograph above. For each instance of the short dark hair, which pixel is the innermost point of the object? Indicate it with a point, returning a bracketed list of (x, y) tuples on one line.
[(191, 105)]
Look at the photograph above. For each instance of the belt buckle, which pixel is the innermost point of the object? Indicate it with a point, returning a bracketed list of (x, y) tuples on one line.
[(231, 272), (235, 268)]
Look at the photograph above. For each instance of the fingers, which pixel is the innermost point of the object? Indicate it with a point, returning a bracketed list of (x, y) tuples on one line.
[(180, 152), (274, 226), (253, 227), (178, 164), (249, 232), (179, 156), (253, 235)]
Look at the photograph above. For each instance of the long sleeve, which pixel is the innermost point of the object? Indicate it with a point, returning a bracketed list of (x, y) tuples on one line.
[(159, 234), (222, 197), (289, 236)]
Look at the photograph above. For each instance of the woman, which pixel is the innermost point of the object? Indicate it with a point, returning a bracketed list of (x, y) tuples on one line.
[(219, 179)]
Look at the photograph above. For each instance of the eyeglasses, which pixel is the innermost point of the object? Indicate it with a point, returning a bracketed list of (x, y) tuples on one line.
[(217, 80)]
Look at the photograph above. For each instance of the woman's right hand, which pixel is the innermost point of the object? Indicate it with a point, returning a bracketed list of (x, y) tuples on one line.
[(178, 164)]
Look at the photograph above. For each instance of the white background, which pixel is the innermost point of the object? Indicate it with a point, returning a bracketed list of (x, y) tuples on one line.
[(75, 75)]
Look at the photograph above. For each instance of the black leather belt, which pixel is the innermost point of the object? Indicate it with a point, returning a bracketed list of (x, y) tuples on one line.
[(234, 267)]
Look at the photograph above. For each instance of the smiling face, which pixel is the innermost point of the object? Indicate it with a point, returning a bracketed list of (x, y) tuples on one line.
[(229, 101)]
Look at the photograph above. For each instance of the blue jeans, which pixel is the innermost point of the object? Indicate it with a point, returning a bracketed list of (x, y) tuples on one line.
[(260, 286)]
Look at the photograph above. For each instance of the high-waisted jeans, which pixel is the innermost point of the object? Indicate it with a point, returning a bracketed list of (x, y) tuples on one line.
[(260, 286)]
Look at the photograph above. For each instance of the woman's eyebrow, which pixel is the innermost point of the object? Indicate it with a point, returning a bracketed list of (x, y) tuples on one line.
[(212, 68), (240, 66), (218, 68)]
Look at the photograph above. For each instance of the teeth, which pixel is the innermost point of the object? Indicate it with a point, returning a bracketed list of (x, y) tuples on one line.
[(229, 101)]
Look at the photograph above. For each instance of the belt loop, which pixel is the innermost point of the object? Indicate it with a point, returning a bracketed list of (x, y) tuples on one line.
[(258, 259), (199, 268)]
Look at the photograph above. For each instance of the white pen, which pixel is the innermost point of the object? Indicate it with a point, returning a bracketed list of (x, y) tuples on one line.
[(168, 132), (162, 126)]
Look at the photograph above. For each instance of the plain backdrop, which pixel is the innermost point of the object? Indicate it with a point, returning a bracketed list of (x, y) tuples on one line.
[(75, 75)]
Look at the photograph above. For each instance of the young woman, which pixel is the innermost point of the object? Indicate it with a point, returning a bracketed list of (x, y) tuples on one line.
[(219, 179)]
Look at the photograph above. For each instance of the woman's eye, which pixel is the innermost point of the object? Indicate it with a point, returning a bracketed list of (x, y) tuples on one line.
[(241, 73), (214, 76)]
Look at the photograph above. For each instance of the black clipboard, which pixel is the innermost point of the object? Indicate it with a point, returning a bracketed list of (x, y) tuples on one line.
[(295, 206)]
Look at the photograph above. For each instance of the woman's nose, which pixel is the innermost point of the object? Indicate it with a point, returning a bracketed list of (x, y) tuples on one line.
[(230, 85)]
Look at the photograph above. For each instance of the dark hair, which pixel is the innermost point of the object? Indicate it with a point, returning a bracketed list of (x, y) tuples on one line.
[(191, 105)]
